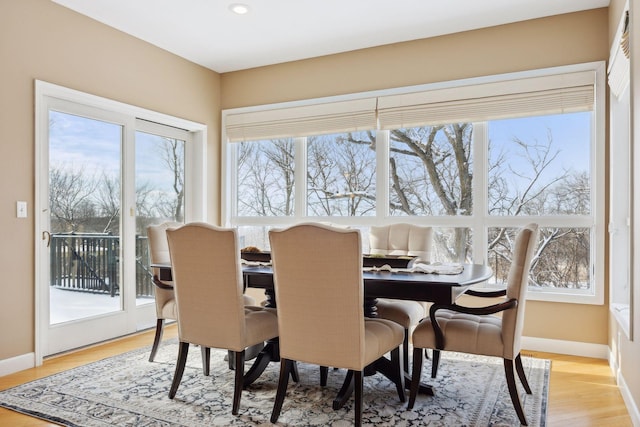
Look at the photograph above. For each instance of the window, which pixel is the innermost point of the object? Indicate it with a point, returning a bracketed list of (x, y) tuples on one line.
[(621, 222), (473, 159)]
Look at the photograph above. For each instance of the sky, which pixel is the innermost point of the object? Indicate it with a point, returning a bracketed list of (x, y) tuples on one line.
[(95, 146)]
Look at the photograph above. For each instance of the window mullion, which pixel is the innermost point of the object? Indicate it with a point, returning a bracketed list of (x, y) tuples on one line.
[(480, 149), (300, 178), (382, 174)]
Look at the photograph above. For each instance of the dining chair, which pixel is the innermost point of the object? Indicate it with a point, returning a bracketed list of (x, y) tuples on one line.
[(402, 240), (211, 312), (163, 289), (478, 330), (320, 301)]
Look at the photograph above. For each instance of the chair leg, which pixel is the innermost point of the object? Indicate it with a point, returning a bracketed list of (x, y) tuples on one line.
[(513, 390), (183, 350), (415, 377), (206, 360), (239, 381), (358, 380), (231, 356), (521, 375), (294, 371), (285, 371), (398, 371), (324, 374), (156, 339), (405, 351), (435, 363)]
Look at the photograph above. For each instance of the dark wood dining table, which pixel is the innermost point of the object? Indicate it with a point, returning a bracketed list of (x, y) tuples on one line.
[(436, 288)]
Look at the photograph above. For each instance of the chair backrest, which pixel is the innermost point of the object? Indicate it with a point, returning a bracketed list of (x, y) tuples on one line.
[(401, 239), (157, 241), (517, 281), (319, 294), (159, 253), (206, 270)]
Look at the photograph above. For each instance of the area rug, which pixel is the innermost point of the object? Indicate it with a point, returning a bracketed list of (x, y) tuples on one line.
[(128, 390)]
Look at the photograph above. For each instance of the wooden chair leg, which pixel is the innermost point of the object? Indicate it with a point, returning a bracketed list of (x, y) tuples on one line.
[(513, 390), (156, 339), (183, 350), (398, 371), (239, 381), (415, 377), (231, 356), (405, 351), (324, 374), (521, 374), (285, 371), (206, 360), (435, 363), (358, 386)]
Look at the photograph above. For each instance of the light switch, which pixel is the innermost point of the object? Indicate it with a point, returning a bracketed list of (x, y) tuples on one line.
[(21, 209)]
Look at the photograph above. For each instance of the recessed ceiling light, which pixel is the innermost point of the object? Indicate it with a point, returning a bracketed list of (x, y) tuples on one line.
[(239, 8)]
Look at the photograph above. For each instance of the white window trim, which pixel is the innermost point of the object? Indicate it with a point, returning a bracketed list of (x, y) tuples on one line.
[(478, 223)]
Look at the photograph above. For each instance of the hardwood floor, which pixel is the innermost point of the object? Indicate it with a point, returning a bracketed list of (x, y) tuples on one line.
[(582, 390)]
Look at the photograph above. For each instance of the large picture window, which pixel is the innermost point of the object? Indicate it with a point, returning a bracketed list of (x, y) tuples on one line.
[(474, 160)]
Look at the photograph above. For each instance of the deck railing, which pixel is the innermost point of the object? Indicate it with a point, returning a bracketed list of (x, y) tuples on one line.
[(89, 262)]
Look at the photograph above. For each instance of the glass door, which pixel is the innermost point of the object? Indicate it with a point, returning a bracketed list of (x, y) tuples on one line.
[(103, 174), (86, 263), (159, 189)]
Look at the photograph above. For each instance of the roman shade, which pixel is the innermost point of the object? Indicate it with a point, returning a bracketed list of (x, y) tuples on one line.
[(317, 119), (553, 94), (510, 98)]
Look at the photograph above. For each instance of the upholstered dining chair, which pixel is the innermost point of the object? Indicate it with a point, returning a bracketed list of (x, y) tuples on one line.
[(205, 261), (477, 330), (402, 240), (164, 294), (320, 301)]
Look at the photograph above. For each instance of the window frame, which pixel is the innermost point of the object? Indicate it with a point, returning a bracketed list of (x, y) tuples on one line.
[(480, 221)]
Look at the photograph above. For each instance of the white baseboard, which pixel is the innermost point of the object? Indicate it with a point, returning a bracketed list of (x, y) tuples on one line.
[(18, 363), (631, 405), (574, 348)]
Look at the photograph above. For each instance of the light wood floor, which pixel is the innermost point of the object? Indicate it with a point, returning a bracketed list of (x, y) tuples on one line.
[(582, 390)]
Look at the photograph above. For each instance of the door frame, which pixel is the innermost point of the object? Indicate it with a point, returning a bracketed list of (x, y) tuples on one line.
[(195, 187)]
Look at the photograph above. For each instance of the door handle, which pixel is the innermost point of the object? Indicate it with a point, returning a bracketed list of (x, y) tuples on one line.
[(46, 236)]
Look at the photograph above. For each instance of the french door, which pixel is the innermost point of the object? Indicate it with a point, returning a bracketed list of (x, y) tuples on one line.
[(104, 176)]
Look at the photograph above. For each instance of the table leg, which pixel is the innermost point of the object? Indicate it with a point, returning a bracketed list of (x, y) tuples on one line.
[(270, 352)]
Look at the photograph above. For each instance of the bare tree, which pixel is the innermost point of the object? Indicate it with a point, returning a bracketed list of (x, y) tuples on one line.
[(70, 198), (340, 177), (266, 178), (172, 154)]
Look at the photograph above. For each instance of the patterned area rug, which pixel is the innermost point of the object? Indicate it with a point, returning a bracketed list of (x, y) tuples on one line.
[(127, 390)]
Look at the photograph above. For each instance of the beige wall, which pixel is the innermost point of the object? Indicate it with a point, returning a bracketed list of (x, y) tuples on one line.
[(548, 42), (41, 40)]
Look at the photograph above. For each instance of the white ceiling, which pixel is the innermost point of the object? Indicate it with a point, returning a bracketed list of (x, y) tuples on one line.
[(275, 31)]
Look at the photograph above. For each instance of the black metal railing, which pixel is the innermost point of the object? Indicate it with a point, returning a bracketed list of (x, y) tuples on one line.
[(89, 262)]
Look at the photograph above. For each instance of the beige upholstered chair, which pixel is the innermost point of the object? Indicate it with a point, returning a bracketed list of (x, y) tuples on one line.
[(476, 330), (164, 295), (402, 239), (320, 298), (209, 298)]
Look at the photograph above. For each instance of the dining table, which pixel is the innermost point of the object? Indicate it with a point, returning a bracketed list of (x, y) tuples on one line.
[(395, 283)]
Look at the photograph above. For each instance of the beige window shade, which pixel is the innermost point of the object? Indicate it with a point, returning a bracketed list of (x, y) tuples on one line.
[(336, 117), (619, 64), (498, 100)]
